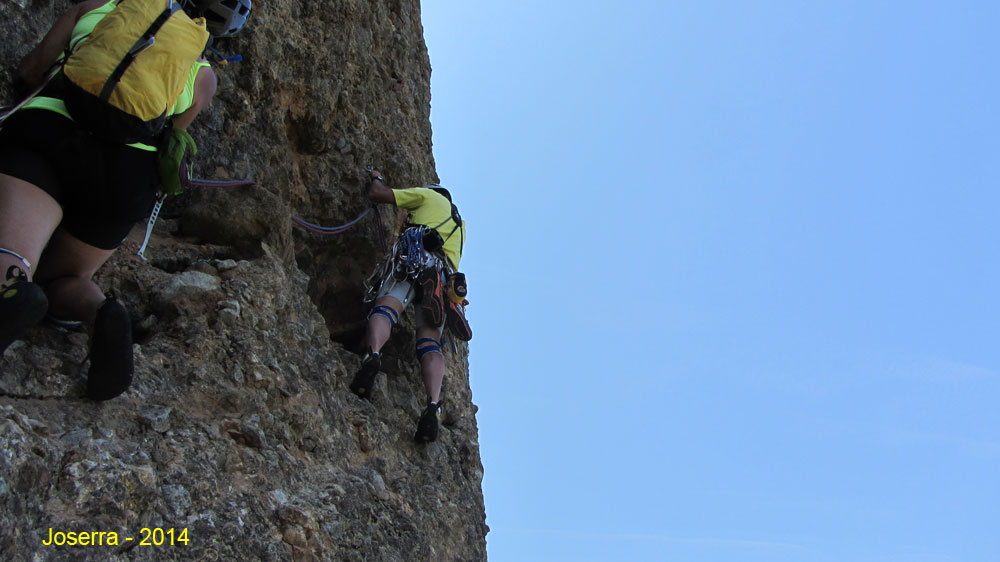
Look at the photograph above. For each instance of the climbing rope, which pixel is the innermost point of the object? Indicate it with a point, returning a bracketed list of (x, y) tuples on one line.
[(384, 268), (198, 182), (328, 230), (381, 230)]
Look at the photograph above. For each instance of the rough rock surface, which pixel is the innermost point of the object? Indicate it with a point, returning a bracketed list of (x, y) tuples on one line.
[(239, 426)]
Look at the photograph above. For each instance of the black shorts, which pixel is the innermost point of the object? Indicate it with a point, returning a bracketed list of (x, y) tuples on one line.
[(104, 188)]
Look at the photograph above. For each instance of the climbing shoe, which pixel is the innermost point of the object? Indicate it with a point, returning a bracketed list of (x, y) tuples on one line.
[(111, 363), (457, 323), (431, 295), (22, 305), (427, 427), (364, 380)]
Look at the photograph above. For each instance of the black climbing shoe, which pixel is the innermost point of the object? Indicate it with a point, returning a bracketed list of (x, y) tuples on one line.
[(427, 427), (364, 380), (111, 364), (22, 305)]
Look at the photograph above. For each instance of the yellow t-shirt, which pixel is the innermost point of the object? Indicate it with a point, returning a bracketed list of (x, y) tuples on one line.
[(430, 208), (87, 22)]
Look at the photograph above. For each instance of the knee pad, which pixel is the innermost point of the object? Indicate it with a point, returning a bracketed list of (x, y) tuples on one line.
[(433, 347), (386, 311)]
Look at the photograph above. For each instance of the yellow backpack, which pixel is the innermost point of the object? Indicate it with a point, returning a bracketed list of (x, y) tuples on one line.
[(126, 75)]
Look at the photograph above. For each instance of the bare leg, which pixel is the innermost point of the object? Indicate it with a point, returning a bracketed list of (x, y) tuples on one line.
[(431, 364), (379, 326), (28, 217), (379, 329), (432, 368), (66, 271)]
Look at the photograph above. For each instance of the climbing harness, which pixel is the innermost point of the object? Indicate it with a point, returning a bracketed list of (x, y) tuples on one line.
[(411, 256), (407, 259)]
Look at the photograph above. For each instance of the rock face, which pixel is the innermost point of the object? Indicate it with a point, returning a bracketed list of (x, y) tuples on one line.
[(239, 427)]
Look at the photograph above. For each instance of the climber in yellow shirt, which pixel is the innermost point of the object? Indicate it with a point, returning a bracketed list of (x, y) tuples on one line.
[(422, 269)]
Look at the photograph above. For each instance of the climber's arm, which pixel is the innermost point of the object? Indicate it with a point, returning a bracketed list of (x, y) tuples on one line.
[(35, 64), (377, 191), (204, 88)]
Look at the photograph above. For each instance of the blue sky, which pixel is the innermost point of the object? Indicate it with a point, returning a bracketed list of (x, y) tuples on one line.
[(733, 275)]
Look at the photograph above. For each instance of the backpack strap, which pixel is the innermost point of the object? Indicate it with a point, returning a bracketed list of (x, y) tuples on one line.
[(144, 42), (457, 218)]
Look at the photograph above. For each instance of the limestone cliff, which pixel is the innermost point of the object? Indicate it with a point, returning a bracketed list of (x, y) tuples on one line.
[(239, 426)]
